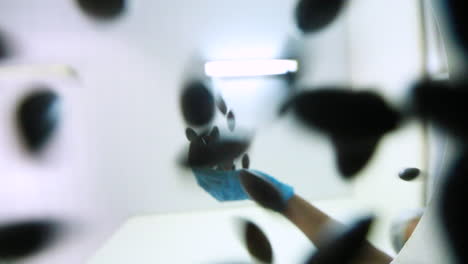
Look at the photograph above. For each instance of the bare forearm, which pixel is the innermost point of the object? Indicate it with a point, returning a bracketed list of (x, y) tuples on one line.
[(372, 255), (311, 221)]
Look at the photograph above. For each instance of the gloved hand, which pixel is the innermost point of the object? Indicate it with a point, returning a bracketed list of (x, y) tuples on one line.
[(224, 183), (226, 186)]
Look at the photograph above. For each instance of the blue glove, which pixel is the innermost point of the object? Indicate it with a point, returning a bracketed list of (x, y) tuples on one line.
[(226, 186), (222, 185), (287, 191)]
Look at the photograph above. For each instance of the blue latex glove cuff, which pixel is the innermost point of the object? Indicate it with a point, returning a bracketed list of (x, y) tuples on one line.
[(226, 186), (287, 191)]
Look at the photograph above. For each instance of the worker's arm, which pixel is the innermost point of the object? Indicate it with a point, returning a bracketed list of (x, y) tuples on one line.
[(225, 186), (311, 221)]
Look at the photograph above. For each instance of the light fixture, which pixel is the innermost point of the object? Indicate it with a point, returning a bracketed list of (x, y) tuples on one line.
[(246, 68), (39, 70)]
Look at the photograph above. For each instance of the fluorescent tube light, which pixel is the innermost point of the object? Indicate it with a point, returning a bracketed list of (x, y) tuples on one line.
[(245, 68)]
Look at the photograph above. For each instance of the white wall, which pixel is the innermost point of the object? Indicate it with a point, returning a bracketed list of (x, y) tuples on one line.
[(131, 71)]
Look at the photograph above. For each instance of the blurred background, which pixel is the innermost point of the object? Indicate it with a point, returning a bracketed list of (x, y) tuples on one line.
[(136, 204)]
